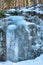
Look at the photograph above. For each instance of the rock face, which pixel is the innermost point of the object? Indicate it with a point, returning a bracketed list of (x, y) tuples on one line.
[(2, 45)]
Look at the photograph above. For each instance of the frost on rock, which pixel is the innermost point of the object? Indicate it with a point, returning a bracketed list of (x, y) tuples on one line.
[(37, 42), (34, 19), (2, 44)]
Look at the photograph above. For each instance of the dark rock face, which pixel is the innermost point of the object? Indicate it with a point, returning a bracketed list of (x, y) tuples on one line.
[(2, 45)]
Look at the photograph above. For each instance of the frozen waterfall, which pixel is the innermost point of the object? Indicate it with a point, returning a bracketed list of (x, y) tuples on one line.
[(12, 48), (23, 38)]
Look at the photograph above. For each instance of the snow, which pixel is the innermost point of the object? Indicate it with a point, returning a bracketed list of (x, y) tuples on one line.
[(25, 10), (38, 5), (7, 14), (18, 20), (36, 47), (10, 10), (37, 61), (33, 8), (12, 27), (38, 11)]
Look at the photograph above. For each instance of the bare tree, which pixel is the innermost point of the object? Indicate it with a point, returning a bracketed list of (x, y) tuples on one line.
[(1, 4), (8, 2)]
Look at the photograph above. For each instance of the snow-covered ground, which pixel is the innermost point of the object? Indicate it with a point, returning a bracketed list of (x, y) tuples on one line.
[(37, 61)]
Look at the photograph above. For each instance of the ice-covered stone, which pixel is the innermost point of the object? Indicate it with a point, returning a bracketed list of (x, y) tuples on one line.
[(22, 35), (2, 45), (23, 38)]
